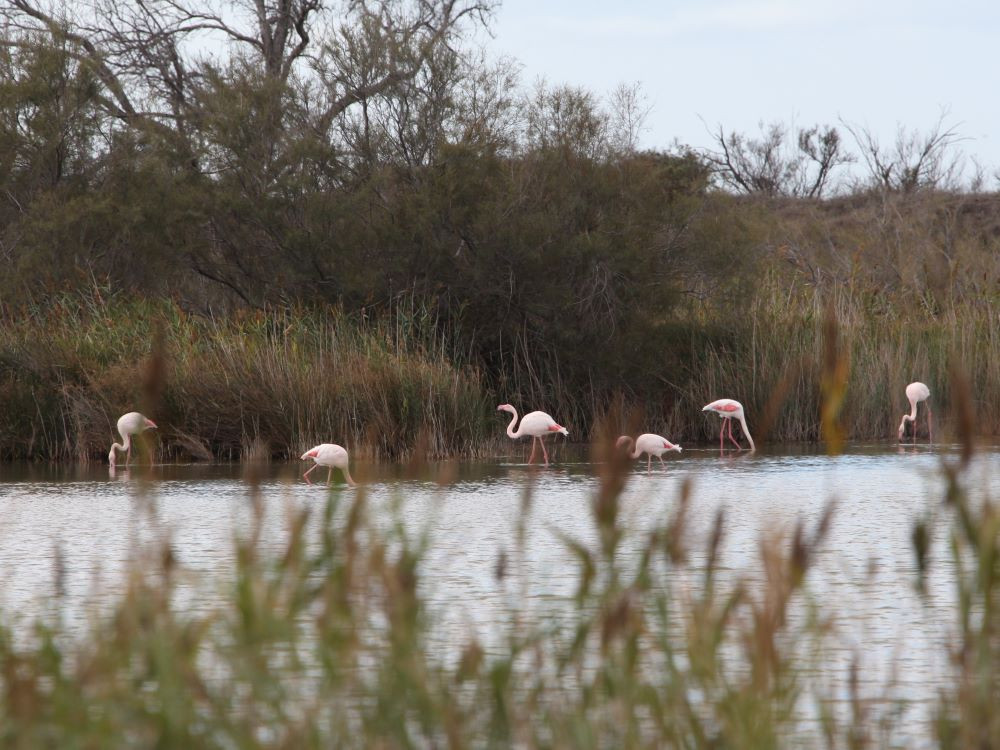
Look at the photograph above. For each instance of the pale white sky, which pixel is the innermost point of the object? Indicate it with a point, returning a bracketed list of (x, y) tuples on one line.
[(737, 62)]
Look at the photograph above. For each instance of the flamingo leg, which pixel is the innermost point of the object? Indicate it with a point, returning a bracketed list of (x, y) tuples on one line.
[(329, 477), (649, 461), (310, 471), (930, 430), (531, 458), (722, 430), (128, 455), (731, 435), (661, 462), (544, 452)]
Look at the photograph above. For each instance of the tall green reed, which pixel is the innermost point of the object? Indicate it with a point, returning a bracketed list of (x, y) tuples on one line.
[(282, 379)]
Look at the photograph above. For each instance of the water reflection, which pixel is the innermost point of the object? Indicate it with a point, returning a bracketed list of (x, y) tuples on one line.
[(78, 528)]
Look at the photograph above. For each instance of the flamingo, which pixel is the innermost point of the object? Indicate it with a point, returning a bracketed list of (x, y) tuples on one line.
[(915, 393), (651, 445), (537, 424), (730, 410), (333, 457), (129, 424)]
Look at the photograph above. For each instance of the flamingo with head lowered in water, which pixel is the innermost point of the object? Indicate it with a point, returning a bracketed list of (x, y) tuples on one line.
[(331, 456), (537, 424), (730, 410), (915, 393), (129, 424), (651, 445)]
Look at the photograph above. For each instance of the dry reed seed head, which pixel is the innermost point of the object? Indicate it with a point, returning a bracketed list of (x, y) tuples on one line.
[(825, 522), (676, 529), (59, 568), (613, 475), (798, 559), (621, 618), (527, 498), (355, 520), (447, 473), (779, 395), (168, 559), (963, 409), (714, 542), (417, 463), (154, 378), (295, 545), (920, 537), (833, 384), (470, 661), (500, 567)]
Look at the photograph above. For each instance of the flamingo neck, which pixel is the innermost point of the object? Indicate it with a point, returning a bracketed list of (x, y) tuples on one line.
[(913, 411), (348, 477), (635, 453), (123, 447), (743, 424), (510, 428)]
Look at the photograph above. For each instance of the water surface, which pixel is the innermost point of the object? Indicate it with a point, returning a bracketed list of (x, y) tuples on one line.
[(77, 529)]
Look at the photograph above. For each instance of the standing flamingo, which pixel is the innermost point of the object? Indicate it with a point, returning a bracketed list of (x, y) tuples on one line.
[(915, 393), (537, 424), (651, 445), (129, 424), (333, 457), (730, 410)]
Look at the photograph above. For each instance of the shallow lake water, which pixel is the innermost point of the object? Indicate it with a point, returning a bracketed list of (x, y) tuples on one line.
[(83, 525)]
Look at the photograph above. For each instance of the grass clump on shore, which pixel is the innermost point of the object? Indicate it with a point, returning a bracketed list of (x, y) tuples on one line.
[(777, 348), (282, 379)]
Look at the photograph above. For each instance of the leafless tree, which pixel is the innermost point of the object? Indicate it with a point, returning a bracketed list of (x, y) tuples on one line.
[(628, 112), (386, 46), (822, 149), (915, 161), (148, 53), (769, 166)]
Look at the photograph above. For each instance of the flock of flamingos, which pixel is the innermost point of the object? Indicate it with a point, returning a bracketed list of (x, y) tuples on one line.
[(536, 425)]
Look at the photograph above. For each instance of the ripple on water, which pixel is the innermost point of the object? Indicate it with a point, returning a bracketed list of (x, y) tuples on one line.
[(864, 572)]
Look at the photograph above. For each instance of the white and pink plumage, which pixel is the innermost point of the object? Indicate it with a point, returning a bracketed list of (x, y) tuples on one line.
[(915, 393), (537, 424), (730, 410), (129, 424), (650, 444), (330, 455)]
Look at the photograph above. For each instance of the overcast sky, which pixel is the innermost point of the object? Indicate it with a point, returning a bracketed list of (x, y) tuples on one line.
[(737, 62)]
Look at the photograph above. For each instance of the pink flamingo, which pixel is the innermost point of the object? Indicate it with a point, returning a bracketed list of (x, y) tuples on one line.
[(129, 424), (915, 393), (537, 424), (730, 410), (651, 445), (330, 455)]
